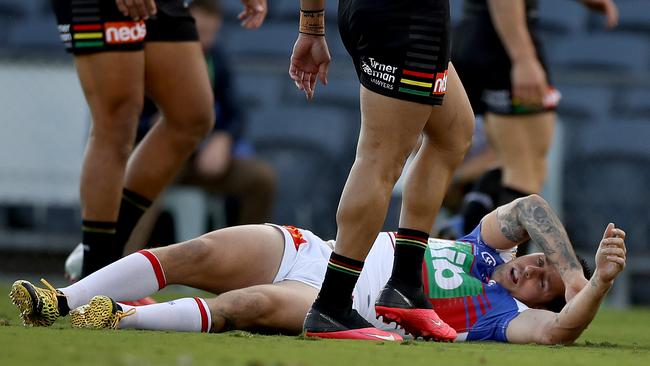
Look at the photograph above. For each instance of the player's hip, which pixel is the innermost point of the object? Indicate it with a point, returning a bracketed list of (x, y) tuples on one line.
[(92, 26)]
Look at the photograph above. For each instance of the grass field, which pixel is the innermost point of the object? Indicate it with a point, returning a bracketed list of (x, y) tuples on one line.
[(616, 338)]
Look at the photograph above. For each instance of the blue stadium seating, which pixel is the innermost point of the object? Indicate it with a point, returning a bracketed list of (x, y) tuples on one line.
[(585, 104), (289, 10), (600, 52), (328, 129), (633, 103), (561, 17), (634, 16), (259, 90)]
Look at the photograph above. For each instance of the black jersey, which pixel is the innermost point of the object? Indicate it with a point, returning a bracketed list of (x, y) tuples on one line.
[(483, 64)]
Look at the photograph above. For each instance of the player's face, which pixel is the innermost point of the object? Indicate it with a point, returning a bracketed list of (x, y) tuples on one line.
[(531, 280)]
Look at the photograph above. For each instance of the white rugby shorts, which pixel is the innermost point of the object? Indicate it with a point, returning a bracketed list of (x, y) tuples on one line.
[(305, 260)]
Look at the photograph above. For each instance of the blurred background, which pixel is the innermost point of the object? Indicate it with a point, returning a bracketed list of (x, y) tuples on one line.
[(599, 163)]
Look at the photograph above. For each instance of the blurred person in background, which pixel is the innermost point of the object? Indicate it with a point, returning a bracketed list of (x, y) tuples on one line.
[(224, 162), (400, 50), (500, 59), (124, 49)]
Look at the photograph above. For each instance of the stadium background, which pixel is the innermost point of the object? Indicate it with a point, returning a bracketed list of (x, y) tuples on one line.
[(600, 160)]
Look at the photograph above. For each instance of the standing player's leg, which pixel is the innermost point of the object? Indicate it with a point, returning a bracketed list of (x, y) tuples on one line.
[(389, 131), (522, 143), (447, 136), (176, 78), (113, 83)]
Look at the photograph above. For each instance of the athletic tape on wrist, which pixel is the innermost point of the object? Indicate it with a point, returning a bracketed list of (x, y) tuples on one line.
[(312, 22)]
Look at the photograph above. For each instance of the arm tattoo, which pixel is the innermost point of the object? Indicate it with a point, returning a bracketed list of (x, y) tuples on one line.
[(546, 230), (510, 226)]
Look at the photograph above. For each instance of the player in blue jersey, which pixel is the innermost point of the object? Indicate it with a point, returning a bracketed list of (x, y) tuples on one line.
[(268, 276)]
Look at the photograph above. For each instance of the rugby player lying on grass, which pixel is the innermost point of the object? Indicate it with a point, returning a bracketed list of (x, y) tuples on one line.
[(268, 276)]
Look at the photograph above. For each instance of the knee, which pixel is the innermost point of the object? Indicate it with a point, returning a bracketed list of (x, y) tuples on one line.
[(382, 168), (462, 139), (241, 309), (191, 125), (117, 112), (114, 124)]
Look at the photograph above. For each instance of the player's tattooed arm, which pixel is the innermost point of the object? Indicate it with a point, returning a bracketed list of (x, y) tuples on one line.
[(531, 218), (536, 217)]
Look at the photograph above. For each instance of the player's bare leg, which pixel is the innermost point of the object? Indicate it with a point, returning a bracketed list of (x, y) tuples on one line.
[(390, 129), (217, 262), (177, 80), (278, 307), (225, 259), (447, 136), (521, 143), (273, 308), (113, 83)]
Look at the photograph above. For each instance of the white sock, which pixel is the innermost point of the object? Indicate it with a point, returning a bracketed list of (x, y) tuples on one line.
[(182, 315), (130, 278)]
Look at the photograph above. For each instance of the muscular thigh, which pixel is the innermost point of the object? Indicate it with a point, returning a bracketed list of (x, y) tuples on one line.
[(277, 308), (450, 126), (113, 83), (521, 136), (177, 80), (225, 259), (389, 127)]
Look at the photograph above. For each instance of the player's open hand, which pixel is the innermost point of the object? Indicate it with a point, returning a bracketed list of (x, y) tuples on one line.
[(254, 13), (607, 7), (529, 85), (309, 60), (611, 254), (137, 9)]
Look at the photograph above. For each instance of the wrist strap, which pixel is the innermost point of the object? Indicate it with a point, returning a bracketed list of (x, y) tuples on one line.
[(312, 22)]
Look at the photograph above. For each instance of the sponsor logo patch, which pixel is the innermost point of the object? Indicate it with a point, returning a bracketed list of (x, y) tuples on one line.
[(488, 258), (382, 75), (296, 236), (440, 86), (124, 32)]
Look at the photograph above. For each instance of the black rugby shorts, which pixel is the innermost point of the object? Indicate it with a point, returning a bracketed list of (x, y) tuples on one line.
[(90, 26), (484, 67), (400, 48)]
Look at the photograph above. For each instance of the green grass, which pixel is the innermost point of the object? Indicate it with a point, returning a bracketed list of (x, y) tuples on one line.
[(616, 338)]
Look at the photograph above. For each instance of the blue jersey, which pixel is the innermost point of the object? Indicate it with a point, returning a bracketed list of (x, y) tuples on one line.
[(457, 282)]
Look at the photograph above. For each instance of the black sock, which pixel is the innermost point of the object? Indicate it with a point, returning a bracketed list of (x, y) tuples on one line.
[(64, 309), (410, 246), (132, 207), (340, 278), (481, 200), (507, 195), (98, 238)]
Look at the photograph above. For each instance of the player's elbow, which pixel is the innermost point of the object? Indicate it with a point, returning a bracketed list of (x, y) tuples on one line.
[(558, 335), (534, 199), (553, 339)]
